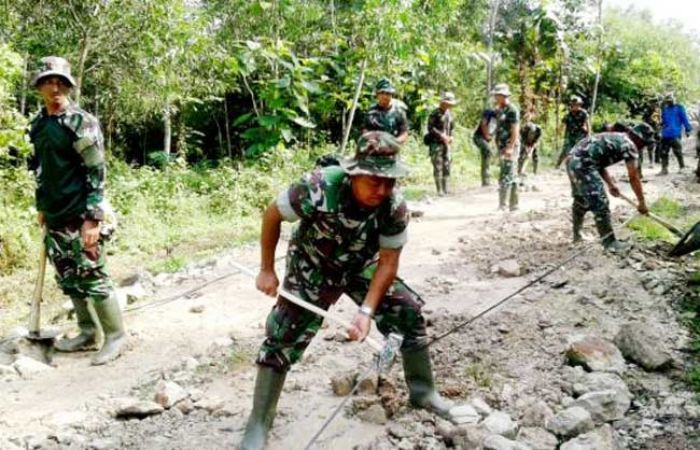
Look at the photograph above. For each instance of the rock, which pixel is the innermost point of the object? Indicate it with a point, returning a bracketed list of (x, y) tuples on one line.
[(536, 415), (369, 385), (499, 422), (469, 437), (445, 429), (189, 363), (6, 359), (641, 343), (595, 354), (103, 444), (8, 371), (603, 438), (209, 404), (197, 309), (497, 442), (400, 431), (27, 367), (66, 419), (224, 341), (537, 438), (480, 406), (168, 393), (342, 384), (129, 407), (373, 414), (600, 381), (605, 406), (185, 406), (571, 422), (508, 268), (464, 414)]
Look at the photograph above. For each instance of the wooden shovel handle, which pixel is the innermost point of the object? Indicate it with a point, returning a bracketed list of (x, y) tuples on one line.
[(673, 229)]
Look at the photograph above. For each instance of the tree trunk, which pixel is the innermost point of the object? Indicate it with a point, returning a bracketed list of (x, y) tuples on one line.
[(84, 47), (489, 65), (229, 152), (25, 82), (351, 117), (167, 130), (599, 58)]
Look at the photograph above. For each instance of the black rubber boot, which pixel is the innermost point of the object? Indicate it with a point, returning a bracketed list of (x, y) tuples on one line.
[(87, 338), (421, 387), (110, 317), (268, 387)]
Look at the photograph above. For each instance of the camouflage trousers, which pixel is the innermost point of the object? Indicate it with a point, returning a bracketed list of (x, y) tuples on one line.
[(289, 328), (565, 149), (441, 158), (666, 146), (485, 151), (588, 192), (524, 156), (508, 176), (80, 272)]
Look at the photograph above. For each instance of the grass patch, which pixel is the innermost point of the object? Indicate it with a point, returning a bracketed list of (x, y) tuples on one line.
[(650, 230), (668, 208), (479, 375)]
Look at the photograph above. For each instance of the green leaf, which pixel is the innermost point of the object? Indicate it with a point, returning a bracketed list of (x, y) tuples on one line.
[(240, 120), (302, 122)]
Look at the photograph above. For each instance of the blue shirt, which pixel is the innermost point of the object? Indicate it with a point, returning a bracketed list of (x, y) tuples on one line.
[(673, 120)]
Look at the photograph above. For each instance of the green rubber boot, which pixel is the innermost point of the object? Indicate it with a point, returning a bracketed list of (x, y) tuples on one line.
[(438, 185), (577, 217), (502, 198), (514, 198), (421, 387), (445, 185), (110, 317), (610, 243), (268, 387), (87, 338)]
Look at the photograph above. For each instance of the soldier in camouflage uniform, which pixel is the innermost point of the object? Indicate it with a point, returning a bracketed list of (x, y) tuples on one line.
[(440, 126), (345, 216), (576, 127), (652, 117), (530, 135), (482, 138), (68, 148), (507, 141), (586, 166), (387, 114)]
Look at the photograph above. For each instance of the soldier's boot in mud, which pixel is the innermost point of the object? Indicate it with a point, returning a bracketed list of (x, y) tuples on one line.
[(679, 157), (418, 373), (87, 339), (578, 217), (607, 235), (438, 185), (445, 185), (535, 163), (110, 317), (502, 193), (514, 202), (268, 387)]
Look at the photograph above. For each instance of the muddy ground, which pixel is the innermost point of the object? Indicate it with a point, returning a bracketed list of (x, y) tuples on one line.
[(512, 359)]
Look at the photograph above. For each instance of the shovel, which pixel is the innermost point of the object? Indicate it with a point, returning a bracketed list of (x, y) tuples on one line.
[(42, 339), (688, 243), (387, 353), (669, 226)]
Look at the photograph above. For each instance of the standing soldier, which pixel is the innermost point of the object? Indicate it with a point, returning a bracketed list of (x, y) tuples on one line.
[(346, 216), (68, 146), (587, 168), (482, 138), (673, 121), (576, 127), (507, 137), (530, 135), (652, 117), (386, 115), (440, 126)]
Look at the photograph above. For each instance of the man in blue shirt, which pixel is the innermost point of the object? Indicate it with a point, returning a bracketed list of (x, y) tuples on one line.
[(673, 121)]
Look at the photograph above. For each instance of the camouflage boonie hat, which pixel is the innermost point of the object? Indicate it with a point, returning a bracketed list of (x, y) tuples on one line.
[(575, 99), (54, 66), (385, 86), (501, 89), (377, 155), (449, 98)]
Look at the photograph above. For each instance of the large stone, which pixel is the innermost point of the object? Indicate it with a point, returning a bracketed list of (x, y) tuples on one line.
[(480, 406), (128, 407), (571, 422), (600, 381), (642, 344), (603, 438), (537, 438), (498, 442), (373, 414), (536, 415), (343, 383), (464, 414), (604, 406), (168, 393), (595, 354), (28, 367), (469, 436), (499, 422), (508, 268), (6, 359)]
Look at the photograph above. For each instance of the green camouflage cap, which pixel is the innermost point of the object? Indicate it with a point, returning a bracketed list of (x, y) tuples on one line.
[(645, 131), (449, 98), (377, 155), (384, 85), (501, 89), (53, 66)]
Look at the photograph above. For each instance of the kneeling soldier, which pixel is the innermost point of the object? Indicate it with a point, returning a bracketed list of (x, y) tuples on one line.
[(346, 216)]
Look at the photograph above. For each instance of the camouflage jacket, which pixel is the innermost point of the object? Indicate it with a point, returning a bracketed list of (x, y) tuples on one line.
[(575, 123), (602, 150), (530, 134), (69, 152), (392, 120), (334, 234), (440, 122), (506, 117)]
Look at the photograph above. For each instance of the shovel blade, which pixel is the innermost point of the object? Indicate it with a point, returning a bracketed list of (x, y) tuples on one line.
[(688, 243)]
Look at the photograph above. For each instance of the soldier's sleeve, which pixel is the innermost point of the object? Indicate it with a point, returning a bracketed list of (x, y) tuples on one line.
[(393, 230), (299, 201), (90, 146), (402, 122), (433, 125)]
